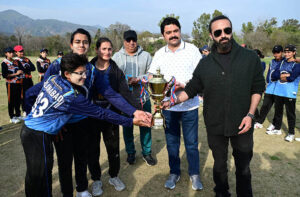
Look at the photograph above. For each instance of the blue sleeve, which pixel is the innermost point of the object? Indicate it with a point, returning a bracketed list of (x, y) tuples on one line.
[(276, 74), (263, 64), (82, 106), (268, 75), (53, 69), (30, 96), (103, 87), (295, 73)]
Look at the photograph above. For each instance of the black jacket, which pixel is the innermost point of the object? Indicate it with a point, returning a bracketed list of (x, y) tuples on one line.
[(118, 83), (227, 95)]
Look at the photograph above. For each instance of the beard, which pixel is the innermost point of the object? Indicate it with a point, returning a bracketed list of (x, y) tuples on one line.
[(224, 47)]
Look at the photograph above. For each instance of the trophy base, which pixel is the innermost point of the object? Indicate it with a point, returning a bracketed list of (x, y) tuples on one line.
[(158, 123)]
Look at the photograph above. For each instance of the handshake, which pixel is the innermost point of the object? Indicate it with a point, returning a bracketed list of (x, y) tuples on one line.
[(283, 76)]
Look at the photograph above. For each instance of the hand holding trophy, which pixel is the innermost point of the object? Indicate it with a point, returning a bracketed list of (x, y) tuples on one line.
[(159, 87)]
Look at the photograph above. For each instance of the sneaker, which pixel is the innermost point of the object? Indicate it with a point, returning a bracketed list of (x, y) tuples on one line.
[(289, 137), (257, 125), (21, 118), (274, 132), (83, 194), (14, 120), (297, 139), (171, 181), (196, 182), (97, 188), (150, 161), (117, 183), (131, 159), (271, 127)]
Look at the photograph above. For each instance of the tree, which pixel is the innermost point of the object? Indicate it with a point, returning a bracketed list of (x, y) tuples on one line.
[(20, 33), (267, 26), (247, 28), (115, 33), (290, 25), (200, 30), (167, 15)]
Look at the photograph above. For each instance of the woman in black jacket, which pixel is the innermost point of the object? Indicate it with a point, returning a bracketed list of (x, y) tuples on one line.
[(109, 71)]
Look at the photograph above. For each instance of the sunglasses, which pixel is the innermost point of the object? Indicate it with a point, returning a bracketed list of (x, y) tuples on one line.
[(129, 39), (227, 30)]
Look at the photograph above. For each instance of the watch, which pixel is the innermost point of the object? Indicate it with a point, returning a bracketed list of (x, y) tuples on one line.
[(250, 115)]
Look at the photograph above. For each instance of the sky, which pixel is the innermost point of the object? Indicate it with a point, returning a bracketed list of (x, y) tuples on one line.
[(144, 15)]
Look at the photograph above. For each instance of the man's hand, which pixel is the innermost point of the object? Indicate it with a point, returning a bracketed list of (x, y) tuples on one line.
[(245, 124), (133, 80), (165, 104), (144, 116)]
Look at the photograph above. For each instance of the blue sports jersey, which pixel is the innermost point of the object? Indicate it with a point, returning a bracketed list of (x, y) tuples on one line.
[(58, 101), (287, 89), (272, 84)]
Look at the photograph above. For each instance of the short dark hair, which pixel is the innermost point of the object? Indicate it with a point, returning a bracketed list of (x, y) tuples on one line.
[(71, 62), (81, 31), (101, 40), (216, 19), (169, 21)]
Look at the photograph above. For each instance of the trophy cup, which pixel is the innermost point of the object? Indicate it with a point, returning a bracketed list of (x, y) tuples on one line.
[(158, 89)]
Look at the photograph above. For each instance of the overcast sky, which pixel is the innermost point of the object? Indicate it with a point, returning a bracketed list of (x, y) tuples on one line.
[(144, 15)]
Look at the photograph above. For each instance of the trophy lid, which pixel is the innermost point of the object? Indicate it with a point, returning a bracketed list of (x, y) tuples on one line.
[(158, 78)]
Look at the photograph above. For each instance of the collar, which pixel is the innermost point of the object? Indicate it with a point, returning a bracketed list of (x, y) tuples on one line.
[(181, 47)]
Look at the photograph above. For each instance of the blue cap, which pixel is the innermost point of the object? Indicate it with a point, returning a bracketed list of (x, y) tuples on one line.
[(8, 49), (205, 47)]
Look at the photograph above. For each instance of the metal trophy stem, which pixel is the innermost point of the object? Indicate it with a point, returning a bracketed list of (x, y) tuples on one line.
[(157, 87)]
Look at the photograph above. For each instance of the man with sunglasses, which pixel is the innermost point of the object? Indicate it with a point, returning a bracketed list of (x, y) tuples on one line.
[(231, 79), (135, 63)]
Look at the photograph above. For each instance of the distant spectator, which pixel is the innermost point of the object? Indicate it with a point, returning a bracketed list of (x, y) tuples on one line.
[(261, 56), (42, 63), (11, 72), (60, 54), (244, 45), (27, 66), (205, 50)]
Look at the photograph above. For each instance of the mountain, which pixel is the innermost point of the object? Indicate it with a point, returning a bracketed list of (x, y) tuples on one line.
[(11, 19)]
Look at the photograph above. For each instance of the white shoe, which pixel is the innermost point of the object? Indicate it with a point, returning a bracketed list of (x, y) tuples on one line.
[(14, 120), (258, 126), (297, 139), (21, 118), (271, 127), (83, 194), (274, 132), (117, 183), (97, 188), (24, 114), (289, 137)]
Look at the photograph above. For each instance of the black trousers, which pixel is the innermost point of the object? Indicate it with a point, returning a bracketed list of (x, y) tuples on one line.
[(73, 144), (38, 151), (111, 139), (27, 83), (268, 102), (242, 146), (290, 106), (14, 99)]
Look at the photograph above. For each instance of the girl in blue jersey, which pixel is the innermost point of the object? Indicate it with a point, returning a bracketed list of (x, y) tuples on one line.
[(60, 98), (287, 76), (269, 97)]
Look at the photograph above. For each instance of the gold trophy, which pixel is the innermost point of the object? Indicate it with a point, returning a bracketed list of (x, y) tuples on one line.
[(158, 88)]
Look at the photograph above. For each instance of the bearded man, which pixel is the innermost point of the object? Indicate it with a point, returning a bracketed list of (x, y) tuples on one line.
[(231, 79)]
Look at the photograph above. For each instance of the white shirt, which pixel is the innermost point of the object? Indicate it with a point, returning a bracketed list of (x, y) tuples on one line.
[(180, 64)]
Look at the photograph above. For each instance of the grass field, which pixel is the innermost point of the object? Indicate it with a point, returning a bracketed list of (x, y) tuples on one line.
[(275, 165)]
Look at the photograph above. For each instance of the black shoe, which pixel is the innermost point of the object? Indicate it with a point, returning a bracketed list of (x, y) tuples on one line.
[(131, 159), (150, 161)]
